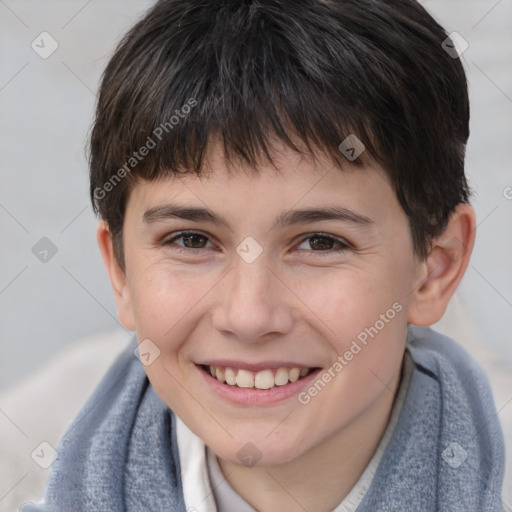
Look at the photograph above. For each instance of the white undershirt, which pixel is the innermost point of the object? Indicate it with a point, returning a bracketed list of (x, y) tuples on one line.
[(206, 490)]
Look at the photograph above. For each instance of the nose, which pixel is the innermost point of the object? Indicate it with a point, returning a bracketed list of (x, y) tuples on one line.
[(252, 303)]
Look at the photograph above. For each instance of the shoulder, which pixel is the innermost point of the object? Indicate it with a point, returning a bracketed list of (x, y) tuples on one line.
[(31, 507), (464, 391), (441, 356), (46, 402)]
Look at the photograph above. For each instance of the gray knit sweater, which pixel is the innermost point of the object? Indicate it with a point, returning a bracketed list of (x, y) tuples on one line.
[(446, 453)]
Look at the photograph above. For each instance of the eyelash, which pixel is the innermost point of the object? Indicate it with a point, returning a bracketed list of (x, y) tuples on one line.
[(344, 246), (182, 234)]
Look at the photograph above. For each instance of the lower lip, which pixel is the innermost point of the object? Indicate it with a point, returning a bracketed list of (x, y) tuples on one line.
[(251, 396)]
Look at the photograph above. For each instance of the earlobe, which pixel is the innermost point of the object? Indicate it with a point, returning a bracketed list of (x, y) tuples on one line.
[(444, 267), (117, 276)]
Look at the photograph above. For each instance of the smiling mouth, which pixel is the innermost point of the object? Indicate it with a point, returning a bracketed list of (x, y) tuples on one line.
[(262, 380)]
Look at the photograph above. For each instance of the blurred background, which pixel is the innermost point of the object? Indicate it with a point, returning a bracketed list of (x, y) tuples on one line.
[(46, 112), (54, 290)]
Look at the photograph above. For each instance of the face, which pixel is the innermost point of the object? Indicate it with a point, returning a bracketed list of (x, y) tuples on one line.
[(306, 272)]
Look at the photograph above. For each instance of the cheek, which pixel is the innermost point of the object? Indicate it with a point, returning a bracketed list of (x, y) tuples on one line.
[(347, 300), (167, 303), (163, 298), (362, 315)]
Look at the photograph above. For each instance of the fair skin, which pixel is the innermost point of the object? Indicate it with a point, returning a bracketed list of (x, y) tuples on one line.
[(301, 302)]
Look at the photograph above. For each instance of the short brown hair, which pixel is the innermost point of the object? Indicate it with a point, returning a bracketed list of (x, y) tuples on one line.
[(241, 72)]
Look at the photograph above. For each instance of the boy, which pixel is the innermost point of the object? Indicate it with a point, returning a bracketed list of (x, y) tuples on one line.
[(284, 212)]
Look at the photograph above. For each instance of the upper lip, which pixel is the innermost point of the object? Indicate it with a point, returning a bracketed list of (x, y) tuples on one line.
[(255, 367)]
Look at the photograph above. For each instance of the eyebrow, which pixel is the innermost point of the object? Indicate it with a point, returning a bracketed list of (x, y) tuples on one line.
[(287, 218)]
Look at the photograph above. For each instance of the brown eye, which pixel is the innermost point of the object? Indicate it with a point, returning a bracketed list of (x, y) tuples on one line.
[(319, 242), (189, 240), (194, 241)]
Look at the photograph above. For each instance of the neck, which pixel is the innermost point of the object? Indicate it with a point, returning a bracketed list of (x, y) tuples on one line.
[(322, 477)]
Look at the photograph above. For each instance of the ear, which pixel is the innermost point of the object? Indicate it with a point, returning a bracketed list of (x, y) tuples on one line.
[(444, 267), (117, 277)]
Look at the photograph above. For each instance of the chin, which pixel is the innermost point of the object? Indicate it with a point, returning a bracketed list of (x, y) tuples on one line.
[(259, 452)]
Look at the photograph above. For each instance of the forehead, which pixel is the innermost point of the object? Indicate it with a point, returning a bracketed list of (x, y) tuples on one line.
[(292, 181)]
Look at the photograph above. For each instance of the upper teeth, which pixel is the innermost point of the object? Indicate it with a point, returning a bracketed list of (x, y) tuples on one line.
[(264, 379)]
